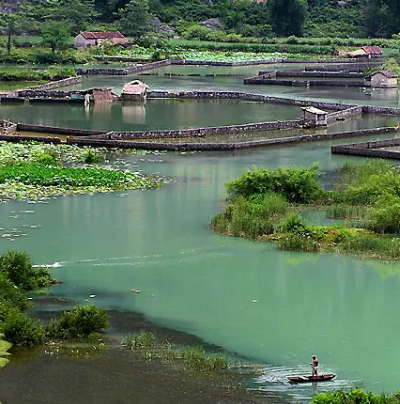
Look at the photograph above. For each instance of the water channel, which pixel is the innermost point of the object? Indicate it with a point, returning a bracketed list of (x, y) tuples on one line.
[(275, 308)]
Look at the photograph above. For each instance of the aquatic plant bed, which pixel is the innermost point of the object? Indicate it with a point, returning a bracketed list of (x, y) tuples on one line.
[(266, 205), (35, 171)]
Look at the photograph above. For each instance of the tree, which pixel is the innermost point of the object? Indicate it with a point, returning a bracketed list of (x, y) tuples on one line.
[(135, 18), (55, 34), (288, 16), (74, 14), (12, 23), (382, 17)]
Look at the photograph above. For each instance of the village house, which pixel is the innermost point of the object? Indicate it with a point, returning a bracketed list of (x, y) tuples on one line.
[(314, 117), (383, 79), (87, 38), (366, 51)]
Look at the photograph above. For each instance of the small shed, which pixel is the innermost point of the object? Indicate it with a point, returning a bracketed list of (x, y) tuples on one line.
[(90, 38), (366, 51), (314, 116), (383, 79), (134, 91)]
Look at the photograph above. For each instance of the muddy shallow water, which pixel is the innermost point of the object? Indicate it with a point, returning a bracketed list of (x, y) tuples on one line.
[(117, 375)]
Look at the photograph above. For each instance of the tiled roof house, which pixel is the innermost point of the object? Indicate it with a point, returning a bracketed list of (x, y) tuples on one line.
[(90, 38)]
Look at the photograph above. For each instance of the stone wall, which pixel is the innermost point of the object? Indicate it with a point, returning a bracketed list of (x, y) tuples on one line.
[(370, 149), (309, 83), (238, 95), (126, 70), (350, 67), (18, 138), (222, 146), (57, 130), (203, 132), (70, 81), (344, 113), (381, 110)]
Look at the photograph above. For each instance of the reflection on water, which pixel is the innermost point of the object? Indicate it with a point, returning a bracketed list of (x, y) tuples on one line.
[(153, 115)]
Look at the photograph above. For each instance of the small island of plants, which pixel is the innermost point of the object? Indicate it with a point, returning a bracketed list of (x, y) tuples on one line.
[(35, 171), (363, 200)]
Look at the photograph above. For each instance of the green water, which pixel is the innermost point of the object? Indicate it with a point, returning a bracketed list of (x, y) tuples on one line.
[(277, 308), (153, 115)]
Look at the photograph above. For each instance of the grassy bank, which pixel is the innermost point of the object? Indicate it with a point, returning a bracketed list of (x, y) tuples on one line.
[(18, 276), (37, 171), (51, 73), (267, 205)]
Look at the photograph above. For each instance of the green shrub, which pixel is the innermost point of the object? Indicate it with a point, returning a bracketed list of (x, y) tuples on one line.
[(80, 322), (18, 268), (91, 157), (354, 396), (385, 214), (299, 185), (11, 294), (197, 359), (21, 330), (47, 160), (140, 339), (298, 242)]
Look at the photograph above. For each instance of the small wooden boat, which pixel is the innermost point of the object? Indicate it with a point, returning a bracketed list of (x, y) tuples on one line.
[(311, 379)]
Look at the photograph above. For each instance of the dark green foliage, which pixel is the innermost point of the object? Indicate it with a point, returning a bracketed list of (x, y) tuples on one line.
[(11, 294), (21, 330), (385, 214), (17, 267), (135, 18), (288, 16), (55, 35), (299, 185), (354, 396), (368, 194), (92, 157), (78, 323)]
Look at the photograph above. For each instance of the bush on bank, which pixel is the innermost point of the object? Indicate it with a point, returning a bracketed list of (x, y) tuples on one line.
[(80, 322), (265, 204), (355, 396), (17, 276)]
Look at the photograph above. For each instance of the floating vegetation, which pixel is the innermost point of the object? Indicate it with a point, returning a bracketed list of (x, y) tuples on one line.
[(37, 152), (35, 171)]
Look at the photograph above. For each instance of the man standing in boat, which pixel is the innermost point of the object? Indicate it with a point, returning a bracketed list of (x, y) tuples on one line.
[(314, 366)]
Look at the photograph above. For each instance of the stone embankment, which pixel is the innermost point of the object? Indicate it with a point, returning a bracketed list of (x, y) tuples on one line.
[(96, 142), (371, 149), (346, 75), (165, 62)]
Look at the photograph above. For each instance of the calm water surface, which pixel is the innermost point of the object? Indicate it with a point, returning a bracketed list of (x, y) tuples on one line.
[(277, 308)]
